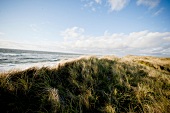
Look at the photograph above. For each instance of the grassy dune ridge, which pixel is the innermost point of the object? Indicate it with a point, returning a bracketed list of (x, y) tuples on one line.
[(108, 84)]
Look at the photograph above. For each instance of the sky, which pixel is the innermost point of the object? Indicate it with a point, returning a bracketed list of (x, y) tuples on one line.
[(106, 27)]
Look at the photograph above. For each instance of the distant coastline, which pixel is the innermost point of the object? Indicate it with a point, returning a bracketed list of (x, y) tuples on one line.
[(35, 51)]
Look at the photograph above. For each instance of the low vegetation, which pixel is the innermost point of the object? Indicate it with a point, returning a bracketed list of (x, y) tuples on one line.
[(90, 85)]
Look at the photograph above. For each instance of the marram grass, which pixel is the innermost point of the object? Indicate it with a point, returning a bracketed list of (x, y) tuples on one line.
[(90, 85)]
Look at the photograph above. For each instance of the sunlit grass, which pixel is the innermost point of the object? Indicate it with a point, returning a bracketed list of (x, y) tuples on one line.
[(108, 84)]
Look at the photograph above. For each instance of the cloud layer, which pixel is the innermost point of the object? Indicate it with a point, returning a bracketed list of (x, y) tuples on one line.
[(150, 3), (73, 32), (98, 1), (75, 40), (117, 5), (143, 42)]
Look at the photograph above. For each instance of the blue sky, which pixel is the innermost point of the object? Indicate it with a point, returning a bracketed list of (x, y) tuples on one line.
[(120, 27)]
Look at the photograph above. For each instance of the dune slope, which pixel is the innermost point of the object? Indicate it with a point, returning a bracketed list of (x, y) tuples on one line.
[(108, 84)]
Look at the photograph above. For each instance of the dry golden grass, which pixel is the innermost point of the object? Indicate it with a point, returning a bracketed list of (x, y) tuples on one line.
[(89, 84)]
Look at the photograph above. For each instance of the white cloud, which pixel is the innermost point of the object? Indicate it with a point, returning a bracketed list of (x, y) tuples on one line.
[(149, 3), (73, 32), (98, 1), (138, 43), (116, 5), (158, 12), (143, 42), (90, 5)]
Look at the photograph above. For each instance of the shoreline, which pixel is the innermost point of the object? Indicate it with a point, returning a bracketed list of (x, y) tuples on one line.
[(128, 58), (11, 67)]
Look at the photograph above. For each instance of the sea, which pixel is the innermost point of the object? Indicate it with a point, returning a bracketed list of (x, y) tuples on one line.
[(14, 59)]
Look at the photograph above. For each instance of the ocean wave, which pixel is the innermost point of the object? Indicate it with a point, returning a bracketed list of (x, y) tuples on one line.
[(11, 59)]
